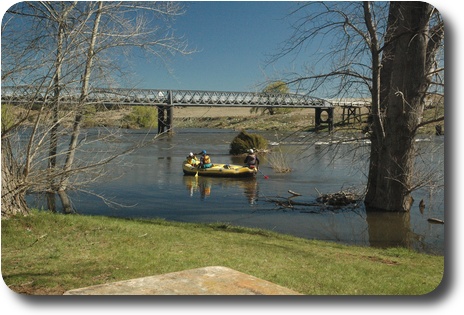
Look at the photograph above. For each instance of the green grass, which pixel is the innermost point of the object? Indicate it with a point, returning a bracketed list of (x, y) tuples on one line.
[(46, 253)]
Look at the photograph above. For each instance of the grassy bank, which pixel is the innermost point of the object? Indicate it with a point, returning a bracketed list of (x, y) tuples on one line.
[(48, 253), (292, 120), (237, 118)]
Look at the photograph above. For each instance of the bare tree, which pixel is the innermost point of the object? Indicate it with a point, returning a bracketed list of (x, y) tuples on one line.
[(408, 66), (388, 52), (75, 46)]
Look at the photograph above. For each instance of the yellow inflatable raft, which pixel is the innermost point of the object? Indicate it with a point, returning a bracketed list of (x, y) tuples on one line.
[(220, 170)]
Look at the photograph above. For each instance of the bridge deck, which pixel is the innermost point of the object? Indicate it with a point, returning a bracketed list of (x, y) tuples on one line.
[(165, 100), (156, 97)]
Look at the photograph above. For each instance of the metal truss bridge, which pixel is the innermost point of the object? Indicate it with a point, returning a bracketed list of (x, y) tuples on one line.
[(165, 100), (155, 97)]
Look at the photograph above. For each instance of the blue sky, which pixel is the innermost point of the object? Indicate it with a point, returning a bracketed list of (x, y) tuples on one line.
[(233, 40)]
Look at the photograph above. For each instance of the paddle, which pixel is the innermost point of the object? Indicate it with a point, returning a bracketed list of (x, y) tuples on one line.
[(265, 176)]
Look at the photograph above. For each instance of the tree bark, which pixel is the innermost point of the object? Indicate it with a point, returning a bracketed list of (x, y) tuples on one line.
[(13, 187), (404, 85)]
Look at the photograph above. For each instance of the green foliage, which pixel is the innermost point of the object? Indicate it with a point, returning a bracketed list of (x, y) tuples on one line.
[(277, 87), (89, 116), (433, 112), (8, 117), (245, 141), (142, 117)]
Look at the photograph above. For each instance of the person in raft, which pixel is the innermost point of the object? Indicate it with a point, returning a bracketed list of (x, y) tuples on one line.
[(192, 159), (205, 160), (251, 159)]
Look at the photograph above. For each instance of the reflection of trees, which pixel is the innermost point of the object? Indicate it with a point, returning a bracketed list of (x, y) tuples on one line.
[(204, 185), (389, 229)]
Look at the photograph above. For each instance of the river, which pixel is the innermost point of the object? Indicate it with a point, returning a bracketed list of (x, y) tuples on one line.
[(149, 183)]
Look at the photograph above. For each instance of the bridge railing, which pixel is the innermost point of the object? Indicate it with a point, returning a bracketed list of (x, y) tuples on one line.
[(151, 97)]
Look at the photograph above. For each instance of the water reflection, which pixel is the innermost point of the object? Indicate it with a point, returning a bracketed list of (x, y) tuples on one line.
[(203, 186), (250, 189), (389, 229), (197, 184)]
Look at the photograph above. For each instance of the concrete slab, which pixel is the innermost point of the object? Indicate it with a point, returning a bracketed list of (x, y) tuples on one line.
[(213, 280)]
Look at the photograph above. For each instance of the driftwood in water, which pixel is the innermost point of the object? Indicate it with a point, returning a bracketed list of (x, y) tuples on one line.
[(289, 203), (335, 200), (341, 198), (435, 220)]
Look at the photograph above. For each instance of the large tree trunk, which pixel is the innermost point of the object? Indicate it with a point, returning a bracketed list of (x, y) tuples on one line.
[(13, 188), (404, 74)]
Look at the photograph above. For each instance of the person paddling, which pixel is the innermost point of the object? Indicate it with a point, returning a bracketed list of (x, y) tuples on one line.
[(251, 159), (205, 160), (192, 159)]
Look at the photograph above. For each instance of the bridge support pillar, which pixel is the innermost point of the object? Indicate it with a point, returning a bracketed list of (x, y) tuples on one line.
[(165, 118), (169, 118), (165, 115), (351, 111), (161, 121), (324, 116)]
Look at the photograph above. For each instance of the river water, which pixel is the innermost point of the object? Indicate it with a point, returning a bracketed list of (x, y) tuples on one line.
[(149, 183)]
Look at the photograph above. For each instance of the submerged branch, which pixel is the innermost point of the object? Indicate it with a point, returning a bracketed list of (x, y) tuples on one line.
[(332, 201)]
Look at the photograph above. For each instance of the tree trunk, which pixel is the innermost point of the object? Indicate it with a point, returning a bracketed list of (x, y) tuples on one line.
[(378, 110), (59, 60), (67, 206), (65, 202), (404, 73), (13, 188)]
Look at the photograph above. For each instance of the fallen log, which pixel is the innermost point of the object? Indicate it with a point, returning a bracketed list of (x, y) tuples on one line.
[(294, 193), (435, 220)]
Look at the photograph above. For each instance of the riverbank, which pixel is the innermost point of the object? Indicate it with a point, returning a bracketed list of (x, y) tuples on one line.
[(48, 254), (238, 118), (242, 118), (235, 118)]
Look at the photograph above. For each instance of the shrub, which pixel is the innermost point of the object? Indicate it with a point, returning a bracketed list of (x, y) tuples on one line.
[(245, 141), (89, 116), (142, 117), (8, 116), (279, 161)]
